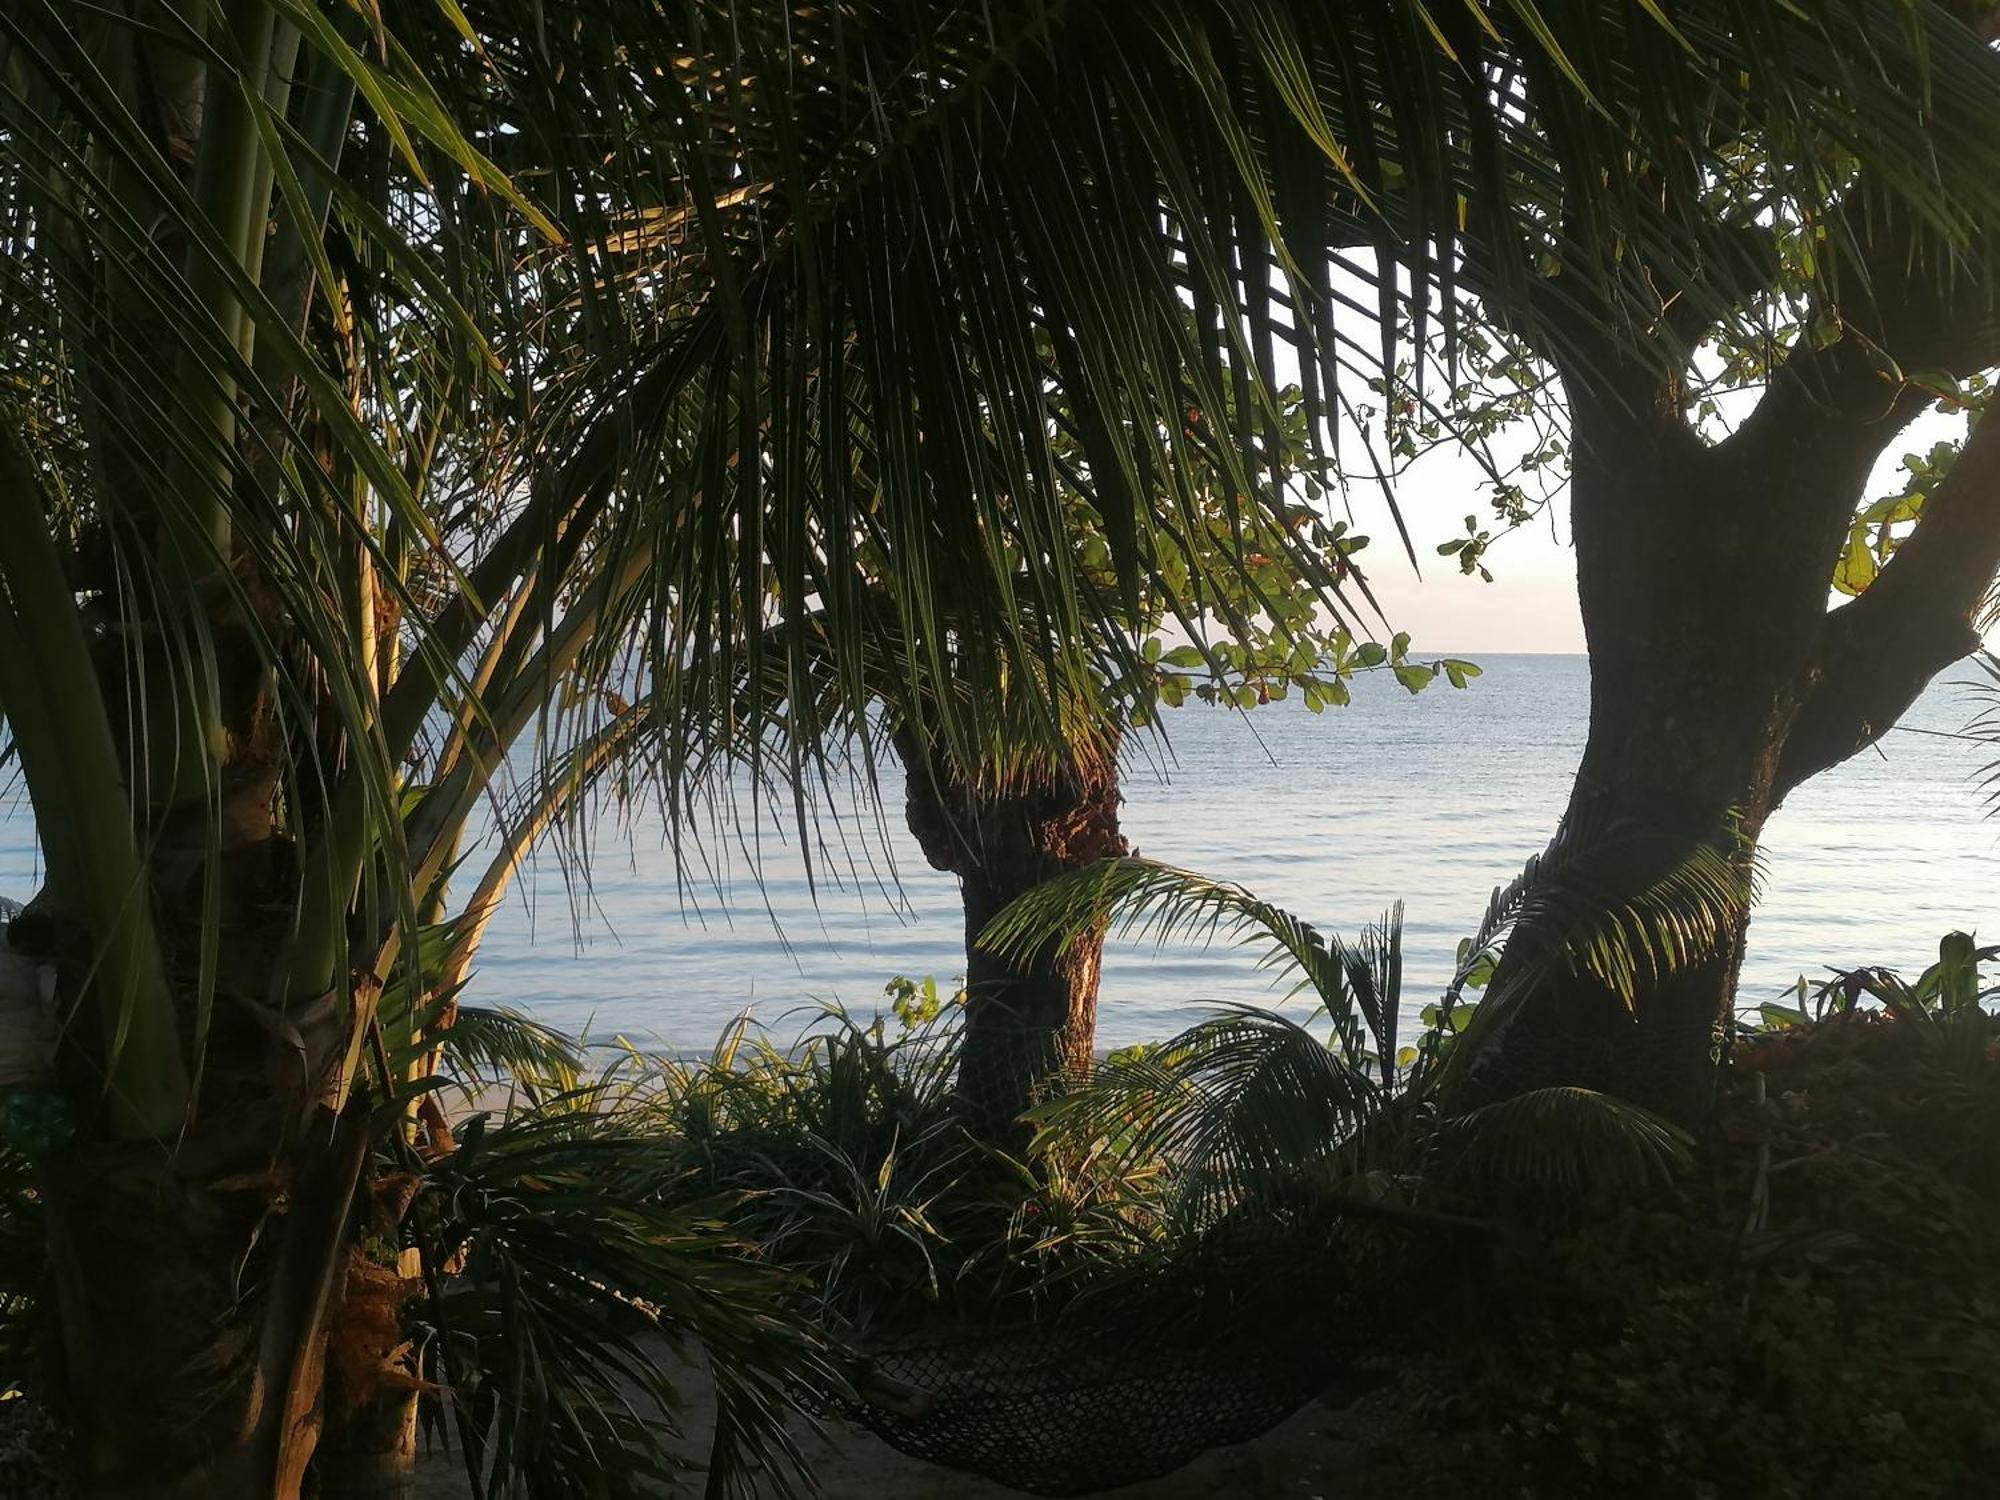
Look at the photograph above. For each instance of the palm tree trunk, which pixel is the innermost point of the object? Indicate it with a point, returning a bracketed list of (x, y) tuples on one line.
[(191, 1296), (193, 1265), (1034, 1017)]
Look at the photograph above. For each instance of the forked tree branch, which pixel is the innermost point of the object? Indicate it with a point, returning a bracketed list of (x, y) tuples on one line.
[(1910, 307), (1879, 651)]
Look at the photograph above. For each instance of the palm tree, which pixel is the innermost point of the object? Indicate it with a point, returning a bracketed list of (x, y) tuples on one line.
[(384, 388), (1248, 1106), (1020, 817)]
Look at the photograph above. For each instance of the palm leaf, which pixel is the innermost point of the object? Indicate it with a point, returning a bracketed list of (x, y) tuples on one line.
[(483, 1045), (1556, 1145), (1142, 898), (1240, 1107), (574, 1289), (1621, 904), (1985, 722), (1059, 190)]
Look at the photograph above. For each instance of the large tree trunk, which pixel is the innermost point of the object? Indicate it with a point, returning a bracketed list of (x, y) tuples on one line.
[(1032, 1019), (1719, 679), (192, 1291), (191, 1277), (1699, 624)]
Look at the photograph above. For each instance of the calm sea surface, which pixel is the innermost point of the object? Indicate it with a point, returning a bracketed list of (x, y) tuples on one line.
[(1434, 799)]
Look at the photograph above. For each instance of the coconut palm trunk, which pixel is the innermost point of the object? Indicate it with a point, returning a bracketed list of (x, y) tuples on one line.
[(202, 555), (1029, 1016)]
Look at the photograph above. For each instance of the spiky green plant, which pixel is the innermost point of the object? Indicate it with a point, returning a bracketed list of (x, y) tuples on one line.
[(382, 384), (842, 1147), (1946, 1008), (1246, 1107), (575, 1304)]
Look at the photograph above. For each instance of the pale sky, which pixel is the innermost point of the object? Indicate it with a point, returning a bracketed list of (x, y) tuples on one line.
[(1529, 606)]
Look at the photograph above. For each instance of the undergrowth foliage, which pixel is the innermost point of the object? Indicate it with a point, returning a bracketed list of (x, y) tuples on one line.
[(1829, 1329), (774, 1211), (788, 1207)]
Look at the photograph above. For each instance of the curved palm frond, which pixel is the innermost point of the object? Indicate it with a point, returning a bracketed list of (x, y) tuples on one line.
[(1685, 904), (484, 1045), (1558, 1144), (1142, 898), (1624, 905), (902, 258), (1237, 1107)]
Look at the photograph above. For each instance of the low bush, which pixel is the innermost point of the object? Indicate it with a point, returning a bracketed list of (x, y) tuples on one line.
[(1781, 1390), (1817, 1315)]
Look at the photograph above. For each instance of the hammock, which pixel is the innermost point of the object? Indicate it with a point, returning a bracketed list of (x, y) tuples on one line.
[(1134, 1381)]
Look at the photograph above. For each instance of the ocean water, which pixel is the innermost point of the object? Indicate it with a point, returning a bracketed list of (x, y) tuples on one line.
[(1433, 799)]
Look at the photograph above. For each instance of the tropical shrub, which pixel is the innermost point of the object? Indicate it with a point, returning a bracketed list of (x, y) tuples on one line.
[(569, 1302), (1249, 1105), (1942, 1011), (1722, 1389), (859, 1173)]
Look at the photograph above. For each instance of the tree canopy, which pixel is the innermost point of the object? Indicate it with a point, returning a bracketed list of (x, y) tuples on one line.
[(381, 383)]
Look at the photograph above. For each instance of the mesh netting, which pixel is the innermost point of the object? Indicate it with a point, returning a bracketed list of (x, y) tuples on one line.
[(1136, 1381), (1222, 1343)]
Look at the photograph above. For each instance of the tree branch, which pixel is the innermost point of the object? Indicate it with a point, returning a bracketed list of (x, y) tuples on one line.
[(1878, 652), (1913, 306)]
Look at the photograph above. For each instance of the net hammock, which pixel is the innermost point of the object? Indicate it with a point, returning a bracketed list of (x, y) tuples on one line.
[(1273, 1306), (1136, 1380)]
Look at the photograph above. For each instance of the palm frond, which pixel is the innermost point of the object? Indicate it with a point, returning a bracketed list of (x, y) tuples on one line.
[(1557, 1146), (1985, 721), (577, 1296), (1142, 898), (486, 1046), (1056, 191), (1249, 1105), (1623, 904), (1237, 1108)]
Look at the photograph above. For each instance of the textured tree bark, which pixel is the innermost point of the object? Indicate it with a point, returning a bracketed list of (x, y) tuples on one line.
[(192, 1295), (1698, 623), (368, 1448), (192, 1277), (1027, 1019), (1719, 680)]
